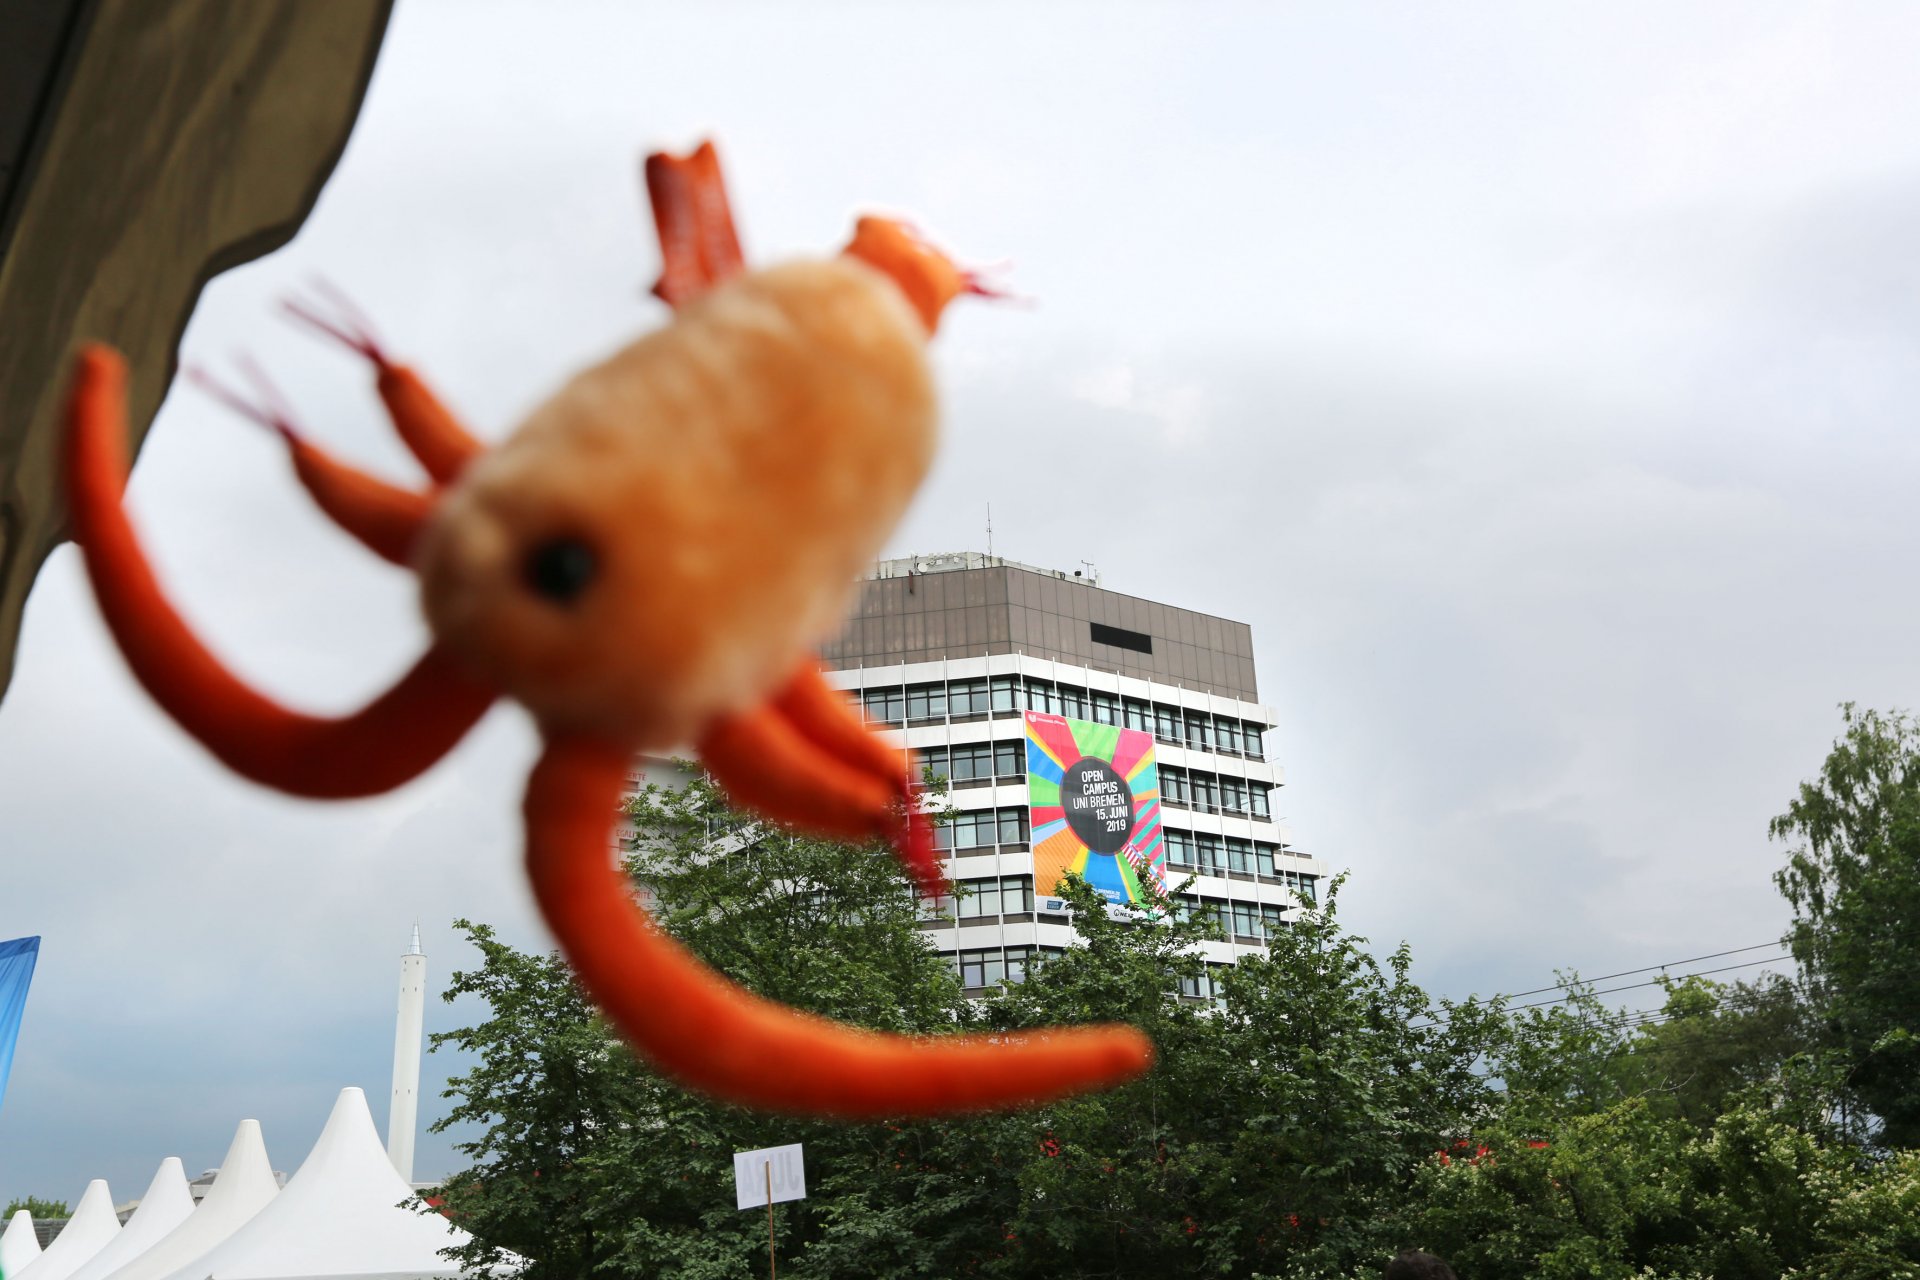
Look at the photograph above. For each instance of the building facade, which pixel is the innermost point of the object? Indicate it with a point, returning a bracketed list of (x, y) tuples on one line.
[(1056, 710)]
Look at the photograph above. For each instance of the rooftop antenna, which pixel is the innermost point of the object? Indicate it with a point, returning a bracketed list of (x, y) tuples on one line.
[(989, 531)]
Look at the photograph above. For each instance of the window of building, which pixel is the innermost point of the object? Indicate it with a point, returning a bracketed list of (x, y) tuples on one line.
[(937, 761), (972, 761), (1203, 792), (1006, 694), (968, 698), (1263, 856), (1252, 740), (1173, 785), (927, 702), (967, 830), (1206, 985), (1179, 848), (1199, 731), (1257, 800), (1040, 697), (1103, 708), (1210, 857), (979, 898), (1019, 959), (994, 896), (1009, 759), (1024, 961), (1227, 735), (1013, 826), (1240, 855), (886, 706), (1246, 920), (1167, 724), (1073, 703), (981, 968), (1138, 714), (937, 907), (1233, 795)]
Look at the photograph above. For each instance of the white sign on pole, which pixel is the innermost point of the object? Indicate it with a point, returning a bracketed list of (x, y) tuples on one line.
[(752, 1170)]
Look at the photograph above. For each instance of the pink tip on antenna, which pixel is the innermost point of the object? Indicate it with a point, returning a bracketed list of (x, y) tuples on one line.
[(274, 415), (352, 330), (973, 280)]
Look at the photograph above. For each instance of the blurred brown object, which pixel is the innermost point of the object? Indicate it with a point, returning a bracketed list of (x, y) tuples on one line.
[(144, 148)]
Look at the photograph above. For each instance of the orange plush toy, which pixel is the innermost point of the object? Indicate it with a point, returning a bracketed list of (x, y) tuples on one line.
[(648, 560)]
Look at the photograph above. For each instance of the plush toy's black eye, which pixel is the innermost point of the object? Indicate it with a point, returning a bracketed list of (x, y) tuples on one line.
[(560, 569)]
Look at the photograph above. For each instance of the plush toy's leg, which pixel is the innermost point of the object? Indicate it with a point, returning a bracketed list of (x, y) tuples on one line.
[(384, 517), (698, 245), (764, 764), (428, 429), (822, 715), (713, 1036), (393, 739)]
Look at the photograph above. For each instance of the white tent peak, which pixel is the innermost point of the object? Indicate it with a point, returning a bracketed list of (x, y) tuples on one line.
[(19, 1244), (165, 1205), (241, 1189), (339, 1216), (88, 1231)]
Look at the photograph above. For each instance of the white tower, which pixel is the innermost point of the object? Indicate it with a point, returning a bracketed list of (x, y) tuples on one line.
[(403, 1115)]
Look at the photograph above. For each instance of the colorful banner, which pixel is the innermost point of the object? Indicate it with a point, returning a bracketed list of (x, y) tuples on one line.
[(1093, 797), (16, 971)]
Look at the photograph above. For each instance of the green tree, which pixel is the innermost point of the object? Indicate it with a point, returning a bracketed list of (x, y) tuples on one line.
[(588, 1162), (36, 1206), (1853, 880), (1293, 1095)]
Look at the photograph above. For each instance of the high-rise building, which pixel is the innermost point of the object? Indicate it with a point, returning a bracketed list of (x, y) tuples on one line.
[(1079, 729)]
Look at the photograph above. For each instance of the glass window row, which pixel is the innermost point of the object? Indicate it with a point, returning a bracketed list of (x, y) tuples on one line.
[(1206, 985), (1256, 920), (977, 761), (989, 897), (1006, 695), (1214, 855), (1215, 793), (981, 828), (994, 965)]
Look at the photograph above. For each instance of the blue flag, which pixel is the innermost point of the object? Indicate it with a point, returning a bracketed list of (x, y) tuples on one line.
[(16, 971)]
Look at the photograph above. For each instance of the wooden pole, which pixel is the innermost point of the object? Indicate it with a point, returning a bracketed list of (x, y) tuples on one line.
[(771, 1273)]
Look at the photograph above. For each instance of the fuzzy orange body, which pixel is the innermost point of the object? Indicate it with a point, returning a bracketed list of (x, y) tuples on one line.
[(732, 474), (649, 560)]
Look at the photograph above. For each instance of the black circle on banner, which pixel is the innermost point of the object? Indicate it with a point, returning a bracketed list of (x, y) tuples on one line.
[(1098, 804)]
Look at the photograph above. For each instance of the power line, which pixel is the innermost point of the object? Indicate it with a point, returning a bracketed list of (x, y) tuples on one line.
[(1624, 973), (1652, 982)]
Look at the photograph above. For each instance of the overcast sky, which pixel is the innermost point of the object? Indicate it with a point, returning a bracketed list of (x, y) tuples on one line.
[(1539, 382)]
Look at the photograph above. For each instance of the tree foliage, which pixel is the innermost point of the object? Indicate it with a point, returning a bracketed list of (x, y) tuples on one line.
[(1853, 880), (1314, 1115), (38, 1207)]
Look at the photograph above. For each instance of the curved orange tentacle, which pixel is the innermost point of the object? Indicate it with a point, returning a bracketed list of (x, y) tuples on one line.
[(385, 517), (390, 741), (823, 716), (764, 764), (426, 426), (712, 1035), (429, 430)]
